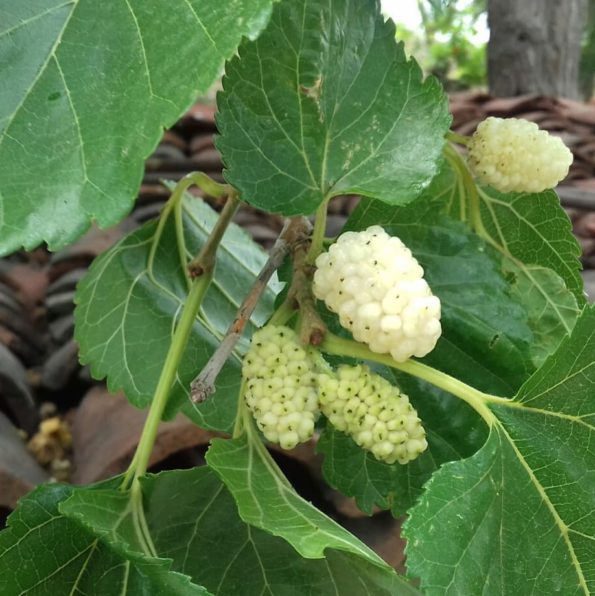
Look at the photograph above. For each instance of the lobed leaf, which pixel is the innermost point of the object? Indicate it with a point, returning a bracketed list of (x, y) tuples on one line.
[(325, 103), (128, 305), (89, 87), (519, 516)]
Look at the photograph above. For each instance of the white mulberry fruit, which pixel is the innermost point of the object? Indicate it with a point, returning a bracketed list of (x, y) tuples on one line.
[(376, 286), (373, 412), (280, 386), (515, 155)]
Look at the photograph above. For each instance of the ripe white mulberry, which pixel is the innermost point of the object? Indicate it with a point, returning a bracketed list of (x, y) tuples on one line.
[(373, 412), (281, 386), (515, 155), (376, 286)]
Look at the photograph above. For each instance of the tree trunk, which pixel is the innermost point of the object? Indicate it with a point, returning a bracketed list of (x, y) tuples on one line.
[(535, 46)]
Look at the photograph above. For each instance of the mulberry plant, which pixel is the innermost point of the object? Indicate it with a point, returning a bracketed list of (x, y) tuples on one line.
[(439, 353)]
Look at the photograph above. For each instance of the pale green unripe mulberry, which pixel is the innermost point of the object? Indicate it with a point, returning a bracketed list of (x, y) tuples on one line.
[(514, 155), (376, 286), (373, 412), (280, 386)]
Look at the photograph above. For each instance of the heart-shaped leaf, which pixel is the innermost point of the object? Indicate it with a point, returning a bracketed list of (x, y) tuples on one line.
[(325, 103), (519, 516)]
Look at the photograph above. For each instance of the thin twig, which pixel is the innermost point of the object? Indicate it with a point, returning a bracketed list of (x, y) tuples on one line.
[(204, 261), (204, 384)]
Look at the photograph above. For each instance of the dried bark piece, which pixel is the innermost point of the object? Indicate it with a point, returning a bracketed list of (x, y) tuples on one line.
[(61, 329), (508, 106), (15, 392), (579, 111), (106, 430), (585, 225), (29, 281), (201, 141), (19, 472), (60, 366), (67, 282)]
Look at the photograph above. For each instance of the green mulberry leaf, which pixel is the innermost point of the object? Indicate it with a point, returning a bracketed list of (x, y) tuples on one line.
[(266, 500), (324, 103), (519, 516), (204, 538), (44, 552), (92, 86)]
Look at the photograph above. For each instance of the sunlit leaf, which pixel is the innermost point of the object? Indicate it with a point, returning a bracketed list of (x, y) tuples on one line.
[(87, 89), (519, 516), (325, 102)]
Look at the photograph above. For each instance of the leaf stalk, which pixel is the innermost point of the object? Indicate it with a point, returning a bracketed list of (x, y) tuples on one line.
[(198, 288), (318, 234), (339, 346), (178, 344), (455, 137)]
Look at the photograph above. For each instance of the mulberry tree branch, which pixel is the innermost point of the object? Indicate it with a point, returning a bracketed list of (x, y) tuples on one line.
[(294, 232)]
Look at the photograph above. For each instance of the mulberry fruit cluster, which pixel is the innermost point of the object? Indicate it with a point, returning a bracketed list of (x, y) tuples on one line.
[(373, 412), (281, 390), (515, 155), (376, 286)]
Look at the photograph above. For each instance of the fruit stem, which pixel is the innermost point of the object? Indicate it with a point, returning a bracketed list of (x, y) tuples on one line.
[(208, 186), (239, 426), (339, 346), (283, 313), (311, 327), (204, 261), (464, 175), (455, 137)]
